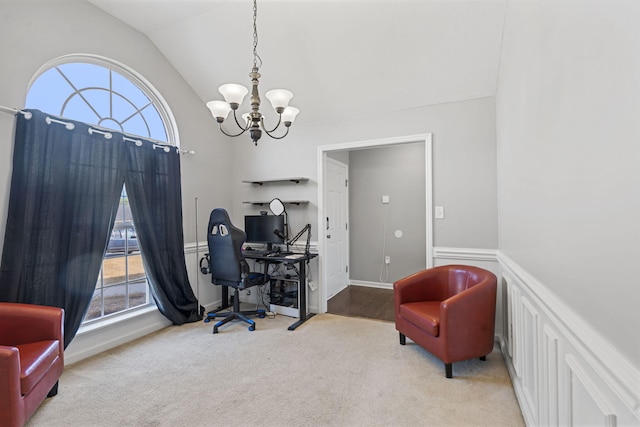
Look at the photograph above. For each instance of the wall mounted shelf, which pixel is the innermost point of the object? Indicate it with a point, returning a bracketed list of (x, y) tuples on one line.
[(295, 180), (286, 202)]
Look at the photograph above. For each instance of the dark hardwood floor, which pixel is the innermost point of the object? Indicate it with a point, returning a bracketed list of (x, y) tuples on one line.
[(363, 301)]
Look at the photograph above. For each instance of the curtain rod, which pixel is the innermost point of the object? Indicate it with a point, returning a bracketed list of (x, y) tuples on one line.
[(27, 114), (14, 111)]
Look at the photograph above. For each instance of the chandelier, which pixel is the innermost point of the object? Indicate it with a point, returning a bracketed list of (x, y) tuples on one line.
[(234, 95)]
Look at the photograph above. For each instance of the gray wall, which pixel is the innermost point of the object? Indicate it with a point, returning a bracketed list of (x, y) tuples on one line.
[(568, 127), (464, 165), (398, 172)]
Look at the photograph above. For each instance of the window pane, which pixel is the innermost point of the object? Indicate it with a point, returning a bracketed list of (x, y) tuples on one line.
[(124, 210), (122, 108), (78, 109), (128, 90), (95, 308), (49, 92), (136, 272), (156, 125), (136, 126), (84, 75), (100, 101), (138, 295)]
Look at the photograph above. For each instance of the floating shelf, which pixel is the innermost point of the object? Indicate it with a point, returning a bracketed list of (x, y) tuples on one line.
[(286, 202), (295, 180)]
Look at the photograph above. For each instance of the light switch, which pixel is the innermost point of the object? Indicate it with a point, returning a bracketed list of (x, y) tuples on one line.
[(385, 199), (439, 212)]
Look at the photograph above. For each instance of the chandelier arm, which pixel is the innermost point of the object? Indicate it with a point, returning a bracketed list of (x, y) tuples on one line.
[(244, 128), (275, 137), (228, 134), (272, 130)]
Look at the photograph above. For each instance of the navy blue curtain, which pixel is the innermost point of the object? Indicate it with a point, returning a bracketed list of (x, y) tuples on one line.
[(65, 189), (155, 196)]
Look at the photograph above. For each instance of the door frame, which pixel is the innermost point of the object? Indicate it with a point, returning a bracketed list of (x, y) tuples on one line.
[(425, 138)]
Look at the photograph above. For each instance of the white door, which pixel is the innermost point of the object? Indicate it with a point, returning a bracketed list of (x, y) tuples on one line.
[(335, 226)]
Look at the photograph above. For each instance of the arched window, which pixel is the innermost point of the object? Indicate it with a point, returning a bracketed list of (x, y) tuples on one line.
[(102, 92)]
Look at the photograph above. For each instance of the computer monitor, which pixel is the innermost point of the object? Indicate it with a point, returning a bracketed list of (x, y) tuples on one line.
[(260, 229)]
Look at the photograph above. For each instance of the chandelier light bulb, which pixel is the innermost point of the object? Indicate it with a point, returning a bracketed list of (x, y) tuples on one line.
[(219, 110), (233, 93), (289, 115), (279, 99)]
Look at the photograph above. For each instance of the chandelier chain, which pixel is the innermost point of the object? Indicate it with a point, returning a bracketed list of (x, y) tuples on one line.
[(256, 57)]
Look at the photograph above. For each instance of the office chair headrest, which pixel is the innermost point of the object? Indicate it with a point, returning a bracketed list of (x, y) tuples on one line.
[(219, 222)]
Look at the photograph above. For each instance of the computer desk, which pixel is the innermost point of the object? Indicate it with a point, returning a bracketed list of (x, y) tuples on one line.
[(295, 258)]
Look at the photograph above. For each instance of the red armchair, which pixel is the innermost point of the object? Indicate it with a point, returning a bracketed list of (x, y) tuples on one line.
[(449, 311), (31, 359)]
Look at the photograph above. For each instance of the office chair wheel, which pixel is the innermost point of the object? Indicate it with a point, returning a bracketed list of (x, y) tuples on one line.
[(207, 320), (252, 327), (261, 314)]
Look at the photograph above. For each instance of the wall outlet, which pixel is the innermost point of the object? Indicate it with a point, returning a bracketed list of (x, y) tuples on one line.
[(387, 259), (385, 199), (439, 212)]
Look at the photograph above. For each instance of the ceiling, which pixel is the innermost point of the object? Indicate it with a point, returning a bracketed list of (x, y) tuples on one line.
[(339, 58)]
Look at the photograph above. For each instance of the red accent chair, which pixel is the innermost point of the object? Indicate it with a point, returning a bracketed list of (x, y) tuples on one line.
[(449, 311), (31, 359)]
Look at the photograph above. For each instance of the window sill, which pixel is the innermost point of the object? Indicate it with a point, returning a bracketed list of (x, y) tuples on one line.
[(115, 320)]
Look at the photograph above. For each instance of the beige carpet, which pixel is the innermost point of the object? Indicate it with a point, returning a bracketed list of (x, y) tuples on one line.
[(331, 371)]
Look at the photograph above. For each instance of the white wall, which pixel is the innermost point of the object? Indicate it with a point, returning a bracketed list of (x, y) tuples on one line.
[(569, 204)]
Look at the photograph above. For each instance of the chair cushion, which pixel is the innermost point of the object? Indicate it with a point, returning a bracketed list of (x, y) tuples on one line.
[(35, 360), (424, 314)]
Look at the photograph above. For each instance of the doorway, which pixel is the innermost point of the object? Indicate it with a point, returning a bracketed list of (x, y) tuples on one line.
[(323, 176)]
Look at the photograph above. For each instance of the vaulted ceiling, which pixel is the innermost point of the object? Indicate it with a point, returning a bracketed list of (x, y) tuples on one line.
[(339, 58)]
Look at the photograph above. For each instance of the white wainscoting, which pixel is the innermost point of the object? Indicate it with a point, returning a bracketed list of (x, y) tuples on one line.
[(562, 371), (483, 258)]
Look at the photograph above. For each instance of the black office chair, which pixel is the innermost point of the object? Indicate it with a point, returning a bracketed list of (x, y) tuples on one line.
[(229, 268)]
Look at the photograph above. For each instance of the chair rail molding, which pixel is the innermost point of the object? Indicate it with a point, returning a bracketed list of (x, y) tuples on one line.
[(470, 254), (563, 371)]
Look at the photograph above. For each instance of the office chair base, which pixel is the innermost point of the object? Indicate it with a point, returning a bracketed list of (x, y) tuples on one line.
[(234, 315)]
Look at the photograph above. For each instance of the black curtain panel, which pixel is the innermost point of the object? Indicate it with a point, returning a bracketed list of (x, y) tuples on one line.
[(64, 196), (65, 189), (155, 196)]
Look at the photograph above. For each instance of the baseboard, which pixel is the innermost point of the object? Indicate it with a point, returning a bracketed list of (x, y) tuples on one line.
[(378, 285), (563, 371)]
